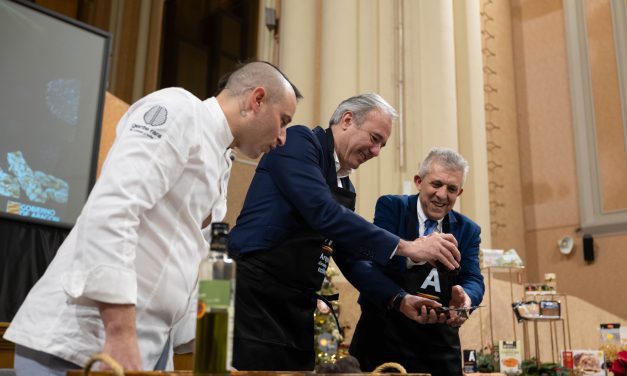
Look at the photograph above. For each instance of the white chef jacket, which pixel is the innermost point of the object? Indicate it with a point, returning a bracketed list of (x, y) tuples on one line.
[(138, 239)]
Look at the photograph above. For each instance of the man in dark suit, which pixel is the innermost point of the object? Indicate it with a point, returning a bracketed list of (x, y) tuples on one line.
[(387, 330), (299, 211)]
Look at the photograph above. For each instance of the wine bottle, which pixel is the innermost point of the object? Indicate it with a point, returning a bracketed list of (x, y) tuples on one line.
[(216, 289)]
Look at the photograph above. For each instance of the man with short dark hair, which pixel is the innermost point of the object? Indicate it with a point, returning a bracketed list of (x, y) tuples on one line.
[(123, 281), (299, 211), (390, 328)]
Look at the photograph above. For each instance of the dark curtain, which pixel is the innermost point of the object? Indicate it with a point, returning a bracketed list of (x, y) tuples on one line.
[(26, 249)]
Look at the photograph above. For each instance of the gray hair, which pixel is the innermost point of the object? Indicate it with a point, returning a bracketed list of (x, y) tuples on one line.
[(257, 74), (360, 106), (448, 158)]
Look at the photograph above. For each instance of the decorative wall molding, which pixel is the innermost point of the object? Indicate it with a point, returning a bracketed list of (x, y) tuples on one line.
[(593, 219), (619, 26)]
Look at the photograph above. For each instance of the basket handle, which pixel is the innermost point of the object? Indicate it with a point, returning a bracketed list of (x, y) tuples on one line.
[(393, 365), (117, 369)]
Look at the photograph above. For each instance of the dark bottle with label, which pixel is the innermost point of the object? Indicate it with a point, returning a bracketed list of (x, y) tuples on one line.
[(216, 293)]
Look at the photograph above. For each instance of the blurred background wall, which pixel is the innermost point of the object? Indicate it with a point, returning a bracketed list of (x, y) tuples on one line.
[(531, 92)]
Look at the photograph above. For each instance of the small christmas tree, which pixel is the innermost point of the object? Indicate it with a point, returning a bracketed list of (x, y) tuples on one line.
[(327, 335)]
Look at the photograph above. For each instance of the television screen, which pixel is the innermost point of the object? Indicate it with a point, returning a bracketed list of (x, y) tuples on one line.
[(52, 74)]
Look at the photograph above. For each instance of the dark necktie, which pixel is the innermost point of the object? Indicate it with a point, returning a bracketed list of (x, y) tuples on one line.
[(430, 225)]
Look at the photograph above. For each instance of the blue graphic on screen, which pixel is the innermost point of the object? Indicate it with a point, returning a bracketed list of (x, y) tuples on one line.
[(63, 97), (52, 74)]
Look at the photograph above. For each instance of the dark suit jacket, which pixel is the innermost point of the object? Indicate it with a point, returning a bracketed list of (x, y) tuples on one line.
[(398, 215), (289, 192)]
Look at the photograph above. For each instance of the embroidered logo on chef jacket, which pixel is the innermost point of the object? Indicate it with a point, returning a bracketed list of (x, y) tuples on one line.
[(156, 116)]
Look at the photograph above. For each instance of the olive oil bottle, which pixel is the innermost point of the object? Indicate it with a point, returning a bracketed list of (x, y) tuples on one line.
[(216, 289)]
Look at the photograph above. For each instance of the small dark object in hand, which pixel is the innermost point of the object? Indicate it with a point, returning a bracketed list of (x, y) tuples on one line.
[(462, 311), (347, 364), (444, 269)]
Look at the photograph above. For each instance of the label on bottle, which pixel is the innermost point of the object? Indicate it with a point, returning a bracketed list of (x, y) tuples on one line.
[(470, 361), (213, 294), (214, 327)]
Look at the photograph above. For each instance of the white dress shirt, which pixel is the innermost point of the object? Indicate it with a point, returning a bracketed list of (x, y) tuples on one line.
[(340, 172), (422, 217)]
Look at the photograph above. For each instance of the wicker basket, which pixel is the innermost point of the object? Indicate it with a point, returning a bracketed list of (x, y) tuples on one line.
[(117, 370)]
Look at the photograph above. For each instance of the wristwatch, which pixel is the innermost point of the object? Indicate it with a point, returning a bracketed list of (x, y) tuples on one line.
[(396, 302)]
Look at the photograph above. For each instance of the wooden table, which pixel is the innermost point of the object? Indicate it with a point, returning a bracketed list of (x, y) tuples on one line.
[(236, 373), (7, 349)]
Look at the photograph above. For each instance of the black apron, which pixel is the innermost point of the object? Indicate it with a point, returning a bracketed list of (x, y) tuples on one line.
[(276, 294), (389, 336)]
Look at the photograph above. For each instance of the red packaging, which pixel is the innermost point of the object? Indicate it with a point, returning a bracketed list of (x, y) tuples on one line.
[(567, 359)]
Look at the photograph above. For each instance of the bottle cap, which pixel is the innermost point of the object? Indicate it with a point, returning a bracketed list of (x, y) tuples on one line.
[(219, 236)]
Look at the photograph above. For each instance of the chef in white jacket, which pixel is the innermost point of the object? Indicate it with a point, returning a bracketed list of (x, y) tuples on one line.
[(123, 281)]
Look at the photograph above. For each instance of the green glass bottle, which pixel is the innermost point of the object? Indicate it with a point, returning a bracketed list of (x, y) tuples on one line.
[(216, 289)]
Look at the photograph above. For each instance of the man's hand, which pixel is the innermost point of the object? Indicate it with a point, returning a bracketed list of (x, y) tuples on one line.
[(459, 299), (121, 335), (421, 310), (432, 248)]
